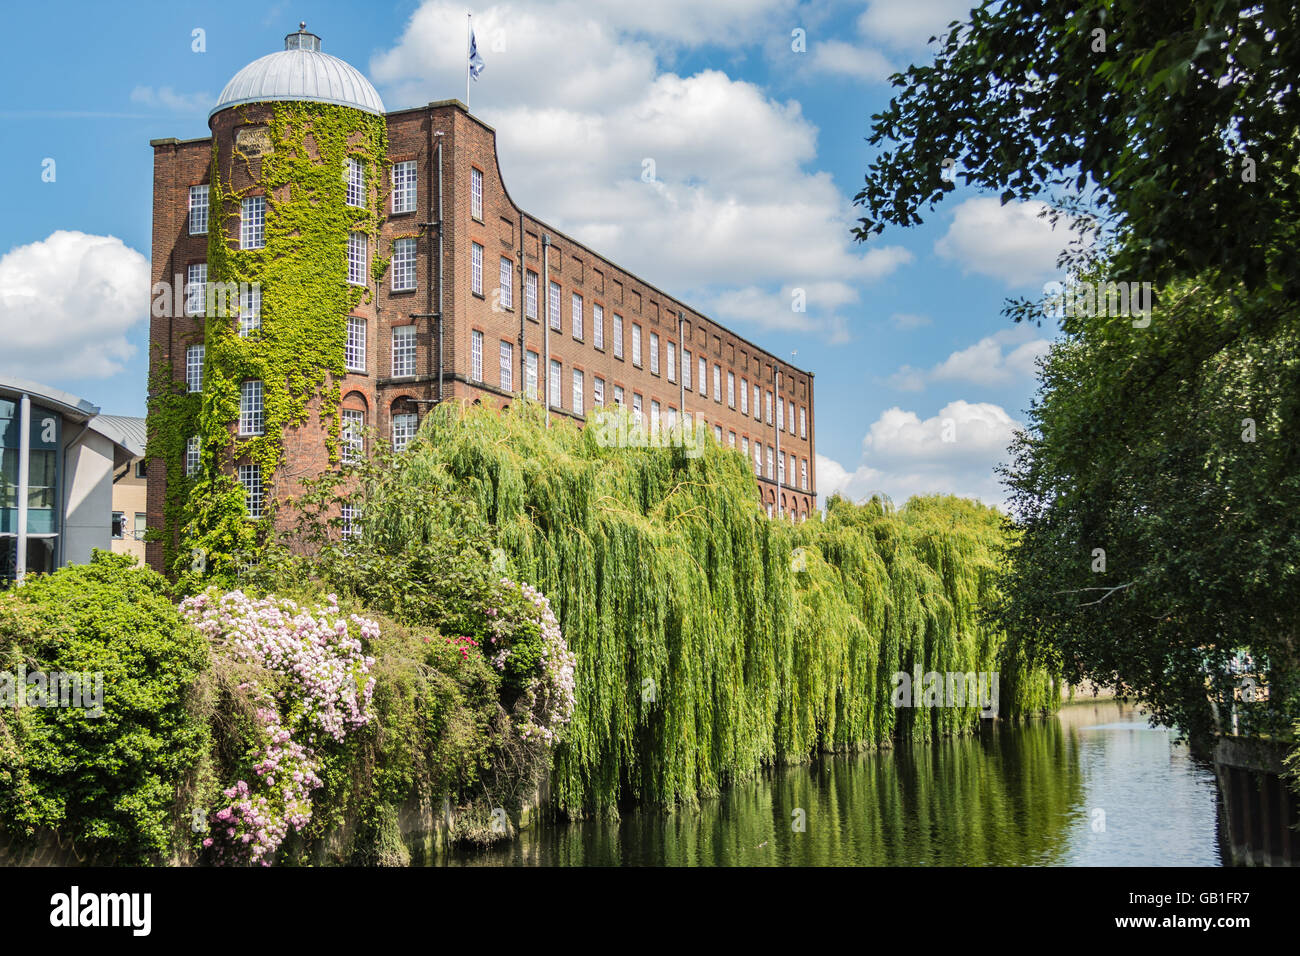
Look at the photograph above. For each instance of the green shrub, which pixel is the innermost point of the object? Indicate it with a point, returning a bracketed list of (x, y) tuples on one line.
[(107, 782)]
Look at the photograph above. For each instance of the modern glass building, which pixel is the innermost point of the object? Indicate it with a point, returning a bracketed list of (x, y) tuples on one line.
[(57, 464)]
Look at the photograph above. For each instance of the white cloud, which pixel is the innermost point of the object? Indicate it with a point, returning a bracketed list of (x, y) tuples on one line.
[(907, 321), (953, 452), (998, 359), (1014, 243), (732, 214), (910, 23), (168, 99), (67, 303), (837, 58)]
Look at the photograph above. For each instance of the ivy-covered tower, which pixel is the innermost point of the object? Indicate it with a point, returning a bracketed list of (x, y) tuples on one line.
[(283, 255)]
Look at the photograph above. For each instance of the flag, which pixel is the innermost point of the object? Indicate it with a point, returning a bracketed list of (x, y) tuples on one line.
[(475, 61)]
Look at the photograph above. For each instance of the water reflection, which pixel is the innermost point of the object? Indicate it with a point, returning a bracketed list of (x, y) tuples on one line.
[(1098, 786)]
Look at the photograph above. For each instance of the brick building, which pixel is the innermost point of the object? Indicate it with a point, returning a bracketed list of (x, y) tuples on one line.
[(462, 309)]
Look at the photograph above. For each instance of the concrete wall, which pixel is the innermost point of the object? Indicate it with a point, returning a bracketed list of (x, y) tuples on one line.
[(87, 495)]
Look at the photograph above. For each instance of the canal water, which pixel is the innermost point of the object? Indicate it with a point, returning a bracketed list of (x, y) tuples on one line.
[(1095, 786)]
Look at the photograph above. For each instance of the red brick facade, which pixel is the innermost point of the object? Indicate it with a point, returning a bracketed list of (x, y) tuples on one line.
[(502, 231)]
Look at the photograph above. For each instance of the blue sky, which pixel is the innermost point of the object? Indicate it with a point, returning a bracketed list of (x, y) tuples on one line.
[(757, 150)]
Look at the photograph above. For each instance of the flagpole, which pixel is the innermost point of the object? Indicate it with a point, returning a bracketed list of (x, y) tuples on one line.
[(469, 34)]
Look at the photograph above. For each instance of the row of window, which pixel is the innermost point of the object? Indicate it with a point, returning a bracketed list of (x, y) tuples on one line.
[(252, 227)]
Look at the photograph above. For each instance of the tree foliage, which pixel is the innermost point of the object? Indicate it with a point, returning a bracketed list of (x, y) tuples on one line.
[(1174, 122)]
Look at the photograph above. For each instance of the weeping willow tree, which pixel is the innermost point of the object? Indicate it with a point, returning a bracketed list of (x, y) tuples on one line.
[(711, 641)]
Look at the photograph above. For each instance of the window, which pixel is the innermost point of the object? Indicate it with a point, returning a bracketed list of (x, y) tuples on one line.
[(141, 468), (357, 258), (704, 376), (731, 439), (598, 326), (769, 509), (636, 408), (803, 474), (507, 282), (618, 336), (252, 222), (744, 396), (672, 362), (198, 210), (530, 376), (119, 521), (192, 456), (803, 421), (757, 409), (731, 389), (576, 304), (780, 413), (717, 434), (577, 392), (553, 384), (251, 409), (403, 350), (672, 418), (758, 458), (196, 288), (654, 353), (250, 476), (404, 188), (354, 434), (768, 403), (780, 468), (717, 384), (769, 461), (404, 428), (790, 406), (507, 367), (553, 306), (354, 353), (744, 445), (476, 194), (351, 516), (598, 392), (636, 345), (354, 174), (141, 525), (250, 309), (476, 268), (194, 367), (530, 294), (476, 355), (654, 415), (686, 369), (404, 265), (618, 395)]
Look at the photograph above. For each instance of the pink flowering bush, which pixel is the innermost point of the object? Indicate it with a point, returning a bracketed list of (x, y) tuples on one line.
[(316, 689), (525, 644)]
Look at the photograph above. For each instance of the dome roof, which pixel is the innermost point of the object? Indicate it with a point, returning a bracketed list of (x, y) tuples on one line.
[(301, 72)]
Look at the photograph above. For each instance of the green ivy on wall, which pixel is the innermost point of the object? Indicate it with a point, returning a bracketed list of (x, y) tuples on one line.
[(298, 350)]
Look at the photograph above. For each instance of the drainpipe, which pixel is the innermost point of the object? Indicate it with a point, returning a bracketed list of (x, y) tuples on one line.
[(24, 465), (441, 261), (681, 382), (544, 288), (522, 305), (776, 430)]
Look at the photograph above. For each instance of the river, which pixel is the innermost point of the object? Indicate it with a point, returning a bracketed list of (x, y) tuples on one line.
[(1096, 786)]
